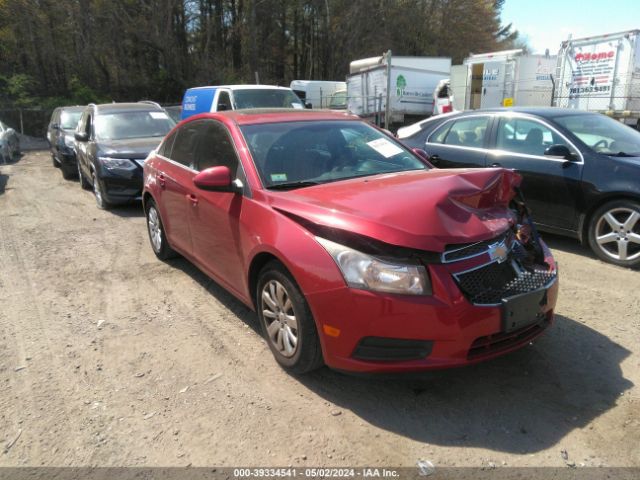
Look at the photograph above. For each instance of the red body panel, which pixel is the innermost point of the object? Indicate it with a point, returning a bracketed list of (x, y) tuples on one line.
[(223, 232)]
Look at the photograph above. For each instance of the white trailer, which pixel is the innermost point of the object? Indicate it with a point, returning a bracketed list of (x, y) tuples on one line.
[(601, 74), (395, 89), (316, 93), (502, 79)]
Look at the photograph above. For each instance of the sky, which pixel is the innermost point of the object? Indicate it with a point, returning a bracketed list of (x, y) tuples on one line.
[(545, 23)]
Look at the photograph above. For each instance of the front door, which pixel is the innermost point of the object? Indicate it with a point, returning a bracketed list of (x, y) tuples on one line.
[(215, 216), (551, 186)]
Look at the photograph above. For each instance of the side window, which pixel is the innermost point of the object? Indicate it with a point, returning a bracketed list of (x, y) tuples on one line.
[(167, 145), (466, 132), (185, 143), (526, 136), (215, 148), (224, 102)]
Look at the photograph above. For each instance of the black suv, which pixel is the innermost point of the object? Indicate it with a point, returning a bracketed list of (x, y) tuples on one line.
[(112, 143), (63, 123)]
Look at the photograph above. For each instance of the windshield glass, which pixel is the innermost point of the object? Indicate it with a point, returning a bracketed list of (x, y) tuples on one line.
[(266, 98), (69, 120), (135, 124), (603, 134), (321, 152)]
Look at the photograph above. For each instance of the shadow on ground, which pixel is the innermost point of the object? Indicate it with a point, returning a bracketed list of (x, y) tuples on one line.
[(524, 402), (133, 209), (567, 245)]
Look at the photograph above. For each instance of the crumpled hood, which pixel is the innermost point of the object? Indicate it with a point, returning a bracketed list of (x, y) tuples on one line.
[(425, 210), (129, 148)]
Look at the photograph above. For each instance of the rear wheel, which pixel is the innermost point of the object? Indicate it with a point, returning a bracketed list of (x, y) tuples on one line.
[(157, 236), (287, 321), (614, 233)]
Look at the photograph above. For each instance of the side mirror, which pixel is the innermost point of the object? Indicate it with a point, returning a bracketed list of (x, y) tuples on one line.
[(214, 179), (222, 107), (308, 105), (81, 136), (560, 152), (55, 126), (421, 153)]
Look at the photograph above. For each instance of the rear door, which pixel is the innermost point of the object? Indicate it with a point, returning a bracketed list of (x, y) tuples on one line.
[(174, 176), (459, 143), (551, 186), (215, 216)]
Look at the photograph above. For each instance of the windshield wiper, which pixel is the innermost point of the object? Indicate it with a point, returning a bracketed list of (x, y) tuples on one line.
[(292, 185), (623, 154)]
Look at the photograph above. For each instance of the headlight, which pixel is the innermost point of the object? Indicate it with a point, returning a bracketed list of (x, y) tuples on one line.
[(370, 273), (117, 163), (69, 141)]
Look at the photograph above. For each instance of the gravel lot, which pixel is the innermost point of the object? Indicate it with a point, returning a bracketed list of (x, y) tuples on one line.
[(109, 357)]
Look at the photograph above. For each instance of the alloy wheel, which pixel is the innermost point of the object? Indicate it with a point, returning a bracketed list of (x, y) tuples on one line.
[(155, 230), (280, 318), (617, 234)]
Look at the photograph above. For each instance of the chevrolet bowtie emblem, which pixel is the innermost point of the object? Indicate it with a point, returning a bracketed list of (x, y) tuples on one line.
[(498, 251)]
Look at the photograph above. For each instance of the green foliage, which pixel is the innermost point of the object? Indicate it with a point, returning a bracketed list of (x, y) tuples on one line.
[(80, 51)]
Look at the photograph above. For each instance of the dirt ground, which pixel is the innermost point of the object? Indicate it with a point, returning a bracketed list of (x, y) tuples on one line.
[(109, 357)]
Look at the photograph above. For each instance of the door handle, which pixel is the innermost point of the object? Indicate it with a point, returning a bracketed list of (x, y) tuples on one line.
[(496, 164), (435, 159), (162, 180), (193, 199)]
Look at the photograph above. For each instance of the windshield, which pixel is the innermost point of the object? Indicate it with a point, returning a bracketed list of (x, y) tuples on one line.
[(266, 98), (69, 120), (603, 134), (308, 153), (134, 124)]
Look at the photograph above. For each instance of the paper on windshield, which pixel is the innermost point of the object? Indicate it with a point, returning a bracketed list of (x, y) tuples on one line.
[(297, 106), (384, 147), (158, 115)]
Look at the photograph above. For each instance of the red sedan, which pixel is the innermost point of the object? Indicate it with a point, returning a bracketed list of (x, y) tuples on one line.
[(354, 252)]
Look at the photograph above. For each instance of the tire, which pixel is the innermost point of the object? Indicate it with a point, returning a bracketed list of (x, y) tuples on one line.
[(68, 172), (288, 317), (83, 181), (614, 233), (98, 193), (157, 235)]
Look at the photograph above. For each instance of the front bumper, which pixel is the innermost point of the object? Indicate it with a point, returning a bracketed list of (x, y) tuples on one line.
[(121, 186), (374, 332)]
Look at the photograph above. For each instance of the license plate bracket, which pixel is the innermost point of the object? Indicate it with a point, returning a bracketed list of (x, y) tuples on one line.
[(522, 310)]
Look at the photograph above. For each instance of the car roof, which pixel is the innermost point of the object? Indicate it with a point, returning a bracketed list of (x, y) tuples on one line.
[(127, 107), (242, 87), (72, 108), (548, 112), (271, 115)]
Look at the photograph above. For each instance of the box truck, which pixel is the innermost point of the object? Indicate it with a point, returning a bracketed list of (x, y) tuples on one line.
[(316, 93), (394, 89), (601, 74), (502, 79)]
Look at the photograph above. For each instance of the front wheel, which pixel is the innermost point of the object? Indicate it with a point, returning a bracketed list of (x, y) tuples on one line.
[(287, 321), (614, 233), (98, 193), (84, 184)]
